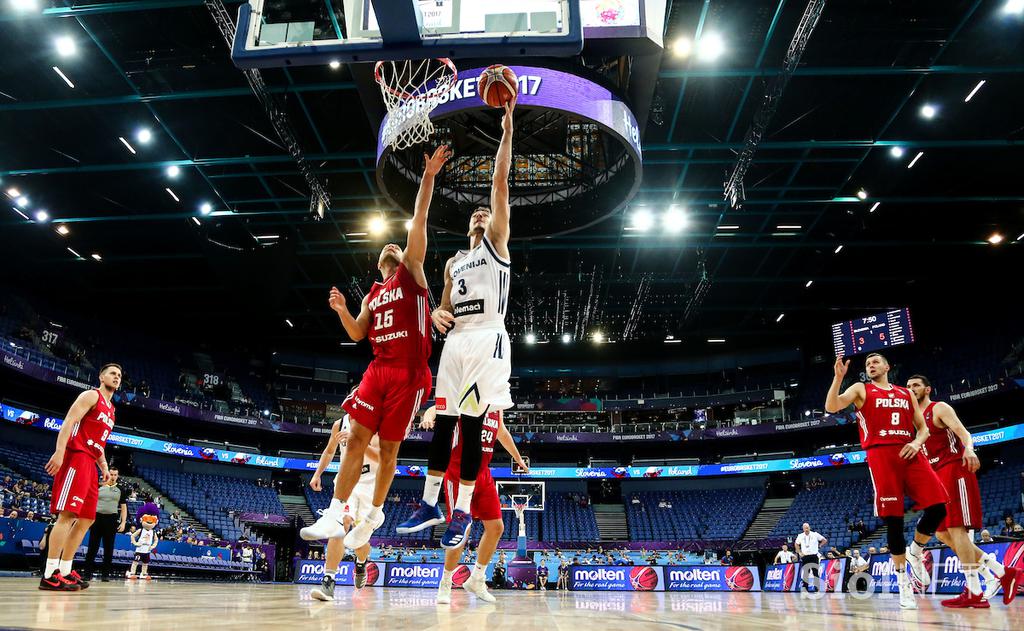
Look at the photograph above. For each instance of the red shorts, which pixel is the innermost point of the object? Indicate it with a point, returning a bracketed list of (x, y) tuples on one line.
[(964, 507), (895, 478), (485, 505), (76, 487), (388, 397)]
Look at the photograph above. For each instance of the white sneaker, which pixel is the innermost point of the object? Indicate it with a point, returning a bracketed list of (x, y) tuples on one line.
[(444, 593), (907, 600), (329, 526), (991, 581), (917, 564), (360, 534), (478, 587)]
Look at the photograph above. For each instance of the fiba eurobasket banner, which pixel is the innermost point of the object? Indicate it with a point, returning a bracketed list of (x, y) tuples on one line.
[(382, 574), (672, 578), (943, 566)]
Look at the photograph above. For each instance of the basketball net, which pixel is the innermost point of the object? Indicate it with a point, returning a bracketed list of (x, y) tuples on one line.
[(411, 90)]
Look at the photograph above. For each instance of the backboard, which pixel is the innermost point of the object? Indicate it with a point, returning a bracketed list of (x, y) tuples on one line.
[(510, 493), (316, 32)]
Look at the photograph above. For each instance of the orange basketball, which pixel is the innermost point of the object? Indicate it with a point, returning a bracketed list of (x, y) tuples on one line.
[(498, 85)]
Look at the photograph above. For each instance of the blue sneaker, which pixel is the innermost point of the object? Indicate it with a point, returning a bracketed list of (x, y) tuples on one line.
[(458, 530), (425, 516)]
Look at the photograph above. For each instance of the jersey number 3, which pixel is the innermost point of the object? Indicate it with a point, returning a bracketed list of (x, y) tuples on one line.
[(462, 287)]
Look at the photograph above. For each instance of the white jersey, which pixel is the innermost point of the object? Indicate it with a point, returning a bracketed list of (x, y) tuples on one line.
[(369, 472), (480, 282), (146, 540)]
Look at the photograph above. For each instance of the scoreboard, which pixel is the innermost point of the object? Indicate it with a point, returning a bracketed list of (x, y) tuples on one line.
[(873, 333)]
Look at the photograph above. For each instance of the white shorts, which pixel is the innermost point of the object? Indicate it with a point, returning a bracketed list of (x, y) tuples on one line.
[(361, 500), (472, 379)]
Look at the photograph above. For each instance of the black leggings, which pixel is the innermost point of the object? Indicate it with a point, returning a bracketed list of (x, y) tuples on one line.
[(102, 531)]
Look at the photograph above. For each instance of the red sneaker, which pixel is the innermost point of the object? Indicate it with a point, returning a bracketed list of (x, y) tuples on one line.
[(1010, 582), (966, 600), (76, 579), (57, 583)]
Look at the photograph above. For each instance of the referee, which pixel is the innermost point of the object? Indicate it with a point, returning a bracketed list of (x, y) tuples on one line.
[(113, 500)]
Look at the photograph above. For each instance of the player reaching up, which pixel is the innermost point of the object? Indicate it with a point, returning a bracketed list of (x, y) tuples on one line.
[(950, 451), (358, 502), (476, 362), (394, 315), (893, 432)]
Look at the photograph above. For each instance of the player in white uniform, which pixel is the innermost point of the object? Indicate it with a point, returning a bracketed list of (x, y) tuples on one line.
[(359, 502), (476, 362)]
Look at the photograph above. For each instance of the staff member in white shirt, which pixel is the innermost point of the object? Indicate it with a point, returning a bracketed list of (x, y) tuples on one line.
[(784, 556), (807, 544)]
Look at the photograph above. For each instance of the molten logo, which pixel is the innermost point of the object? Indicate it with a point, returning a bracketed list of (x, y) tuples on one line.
[(415, 571)]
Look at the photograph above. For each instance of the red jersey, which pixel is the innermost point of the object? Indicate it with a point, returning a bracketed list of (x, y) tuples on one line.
[(400, 319), (90, 436), (489, 435), (942, 446), (887, 417)]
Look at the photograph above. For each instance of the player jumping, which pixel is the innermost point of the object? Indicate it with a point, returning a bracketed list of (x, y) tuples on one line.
[(950, 451), (476, 362), (893, 432), (395, 316)]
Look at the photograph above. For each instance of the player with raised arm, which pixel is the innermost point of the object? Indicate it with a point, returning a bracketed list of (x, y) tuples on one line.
[(360, 499), (893, 432), (950, 452), (476, 362), (395, 316), (80, 450)]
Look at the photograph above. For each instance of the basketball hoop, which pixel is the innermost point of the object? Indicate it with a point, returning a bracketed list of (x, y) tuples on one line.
[(519, 509), (411, 90)]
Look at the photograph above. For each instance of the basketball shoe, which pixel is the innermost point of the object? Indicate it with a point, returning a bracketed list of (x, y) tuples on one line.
[(425, 516), (478, 587), (326, 590), (444, 592), (458, 530), (1009, 581), (966, 600), (916, 562), (75, 578), (360, 534), (57, 583), (359, 577), (329, 526)]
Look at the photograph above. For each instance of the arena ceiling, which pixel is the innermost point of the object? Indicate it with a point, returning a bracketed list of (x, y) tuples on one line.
[(920, 237)]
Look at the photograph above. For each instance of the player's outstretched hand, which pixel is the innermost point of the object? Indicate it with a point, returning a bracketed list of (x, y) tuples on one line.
[(55, 462), (433, 164), (525, 468), (314, 483), (104, 477), (336, 299), (910, 451), (841, 367), (443, 320), (971, 461), (506, 120)]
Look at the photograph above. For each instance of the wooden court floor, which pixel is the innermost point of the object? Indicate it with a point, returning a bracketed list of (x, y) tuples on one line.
[(190, 606)]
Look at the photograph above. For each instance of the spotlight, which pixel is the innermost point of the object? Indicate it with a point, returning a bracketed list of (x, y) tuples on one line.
[(65, 46), (598, 337), (642, 220), (928, 111), (97, 257), (779, 319), (63, 230), (21, 201), (674, 220), (995, 238), (266, 412), (682, 47), (42, 216), (335, 64), (897, 152), (862, 194), (13, 193), (874, 207), (1014, 7), (173, 171), (531, 338), (808, 284), (377, 225), (807, 412), (289, 323), (408, 224), (24, 5), (206, 208), (566, 338), (710, 47), (144, 135), (838, 249)]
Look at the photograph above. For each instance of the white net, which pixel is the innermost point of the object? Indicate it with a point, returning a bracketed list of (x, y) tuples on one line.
[(411, 90)]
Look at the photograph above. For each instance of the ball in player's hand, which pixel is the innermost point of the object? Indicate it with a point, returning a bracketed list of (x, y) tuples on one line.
[(498, 85)]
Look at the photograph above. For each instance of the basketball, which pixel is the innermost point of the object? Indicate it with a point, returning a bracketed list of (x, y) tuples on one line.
[(498, 85), (460, 576), (739, 579), (643, 579)]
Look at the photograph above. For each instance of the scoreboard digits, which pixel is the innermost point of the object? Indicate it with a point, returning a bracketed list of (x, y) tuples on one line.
[(872, 333)]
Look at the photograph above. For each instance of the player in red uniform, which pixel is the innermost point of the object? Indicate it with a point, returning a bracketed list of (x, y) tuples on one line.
[(79, 451), (893, 432), (485, 505), (395, 315), (950, 451)]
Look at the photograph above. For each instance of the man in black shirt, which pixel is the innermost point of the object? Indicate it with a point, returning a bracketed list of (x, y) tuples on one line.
[(111, 517)]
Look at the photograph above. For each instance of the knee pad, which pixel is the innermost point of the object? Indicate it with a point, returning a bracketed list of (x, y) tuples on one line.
[(472, 451), (931, 518), (440, 451), (894, 529)]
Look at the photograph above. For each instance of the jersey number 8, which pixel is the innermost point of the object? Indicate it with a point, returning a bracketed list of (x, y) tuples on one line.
[(895, 418)]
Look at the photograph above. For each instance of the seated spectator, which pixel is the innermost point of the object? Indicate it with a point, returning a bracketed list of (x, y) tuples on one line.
[(884, 550), (727, 558), (14, 514), (1008, 525), (986, 536)]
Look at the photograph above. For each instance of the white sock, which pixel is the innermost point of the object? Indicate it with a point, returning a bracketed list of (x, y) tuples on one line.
[(337, 506), (465, 497), (989, 562), (916, 549), (432, 489), (64, 567), (902, 577), (376, 513), (335, 573), (447, 576), (51, 567), (479, 569), (973, 582)]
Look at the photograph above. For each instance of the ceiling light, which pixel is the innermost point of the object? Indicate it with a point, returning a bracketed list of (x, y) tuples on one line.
[(874, 207), (1014, 7), (264, 237), (779, 319), (673, 341), (63, 231), (173, 171), (21, 201), (97, 257), (408, 224), (144, 135), (670, 337), (289, 323), (377, 225), (716, 340), (24, 5), (710, 47), (171, 193), (974, 91), (808, 284), (125, 143), (996, 238), (64, 76), (789, 227), (355, 234), (13, 193), (42, 216), (642, 220), (75, 253), (897, 152), (1020, 237), (531, 338), (335, 64), (23, 215), (65, 46), (598, 337), (916, 158), (674, 220), (839, 249), (566, 338), (862, 194), (928, 111), (205, 208), (682, 47), (729, 227), (196, 221)]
